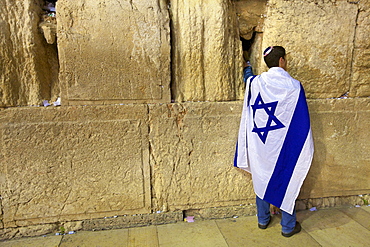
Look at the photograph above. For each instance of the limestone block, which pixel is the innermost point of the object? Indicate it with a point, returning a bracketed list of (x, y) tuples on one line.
[(360, 84), (28, 65), (338, 201), (206, 60), (318, 36), (192, 152), (49, 31), (341, 160), (74, 163), (256, 54), (132, 221), (251, 15), (113, 51), (28, 231), (226, 212)]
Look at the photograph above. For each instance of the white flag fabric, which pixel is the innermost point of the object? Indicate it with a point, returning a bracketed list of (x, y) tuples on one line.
[(275, 143)]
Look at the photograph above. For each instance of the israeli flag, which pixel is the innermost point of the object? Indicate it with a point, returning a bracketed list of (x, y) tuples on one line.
[(275, 143)]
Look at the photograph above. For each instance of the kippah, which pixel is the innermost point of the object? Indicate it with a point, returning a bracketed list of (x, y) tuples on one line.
[(267, 51)]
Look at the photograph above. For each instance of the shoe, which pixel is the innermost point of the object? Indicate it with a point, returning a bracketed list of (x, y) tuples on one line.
[(260, 226), (296, 229)]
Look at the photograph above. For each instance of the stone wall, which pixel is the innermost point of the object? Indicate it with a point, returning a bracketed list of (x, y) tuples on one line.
[(152, 51), (360, 86), (206, 56), (118, 152), (28, 65), (327, 44), (126, 42), (339, 128), (192, 148), (69, 163), (89, 162)]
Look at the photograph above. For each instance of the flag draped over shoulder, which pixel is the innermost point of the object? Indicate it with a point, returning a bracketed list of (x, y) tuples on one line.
[(275, 142)]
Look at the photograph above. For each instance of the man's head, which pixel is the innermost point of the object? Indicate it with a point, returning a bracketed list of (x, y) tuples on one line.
[(274, 56)]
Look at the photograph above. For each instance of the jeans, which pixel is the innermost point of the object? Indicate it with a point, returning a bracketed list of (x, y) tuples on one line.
[(287, 222)]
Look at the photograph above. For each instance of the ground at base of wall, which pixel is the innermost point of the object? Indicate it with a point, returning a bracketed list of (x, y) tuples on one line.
[(159, 218)]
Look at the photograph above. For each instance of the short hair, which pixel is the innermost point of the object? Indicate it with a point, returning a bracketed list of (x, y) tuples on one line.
[(272, 55)]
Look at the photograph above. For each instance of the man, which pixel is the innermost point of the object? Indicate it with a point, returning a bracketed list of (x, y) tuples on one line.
[(275, 142)]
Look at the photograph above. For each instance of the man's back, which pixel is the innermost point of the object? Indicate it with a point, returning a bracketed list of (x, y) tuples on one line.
[(275, 142)]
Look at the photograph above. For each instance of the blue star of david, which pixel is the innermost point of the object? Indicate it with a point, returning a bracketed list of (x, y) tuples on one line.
[(272, 122)]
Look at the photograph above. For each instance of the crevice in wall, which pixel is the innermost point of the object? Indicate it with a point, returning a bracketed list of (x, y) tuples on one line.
[(353, 53), (251, 15), (247, 46), (48, 27), (172, 60), (1, 213), (48, 22)]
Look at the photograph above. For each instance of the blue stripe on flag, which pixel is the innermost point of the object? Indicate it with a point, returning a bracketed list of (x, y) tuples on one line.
[(236, 156), (249, 98), (249, 89), (290, 152)]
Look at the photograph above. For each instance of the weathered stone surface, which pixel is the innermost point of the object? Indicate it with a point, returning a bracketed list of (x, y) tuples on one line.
[(256, 54), (341, 161), (28, 65), (360, 84), (28, 231), (49, 31), (318, 36), (73, 166), (336, 201), (114, 51), (77, 163), (192, 148), (72, 226), (133, 221), (74, 163), (222, 212), (251, 15), (190, 151), (206, 60)]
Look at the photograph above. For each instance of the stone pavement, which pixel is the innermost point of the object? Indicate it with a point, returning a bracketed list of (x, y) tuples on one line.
[(345, 226)]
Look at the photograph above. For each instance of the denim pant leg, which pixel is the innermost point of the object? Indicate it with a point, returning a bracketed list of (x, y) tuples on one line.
[(288, 221), (263, 211)]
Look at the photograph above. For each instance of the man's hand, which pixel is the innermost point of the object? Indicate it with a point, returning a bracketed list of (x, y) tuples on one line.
[(246, 64)]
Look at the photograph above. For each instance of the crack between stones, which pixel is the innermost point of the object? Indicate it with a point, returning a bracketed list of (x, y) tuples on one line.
[(150, 157), (133, 6), (172, 52), (353, 51), (1, 212), (120, 5)]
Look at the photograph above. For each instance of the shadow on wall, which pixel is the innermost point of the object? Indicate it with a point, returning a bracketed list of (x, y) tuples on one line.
[(48, 26)]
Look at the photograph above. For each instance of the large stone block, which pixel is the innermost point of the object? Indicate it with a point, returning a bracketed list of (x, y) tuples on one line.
[(318, 36), (360, 83), (206, 60), (114, 51), (192, 147), (73, 163), (28, 65), (251, 15), (341, 161), (192, 151)]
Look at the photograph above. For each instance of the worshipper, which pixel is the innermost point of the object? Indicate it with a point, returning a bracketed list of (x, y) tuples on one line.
[(275, 143)]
